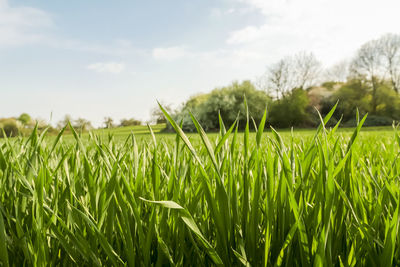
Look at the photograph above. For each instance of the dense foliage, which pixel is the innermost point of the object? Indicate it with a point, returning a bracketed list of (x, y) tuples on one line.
[(228, 102), (355, 93), (232, 199)]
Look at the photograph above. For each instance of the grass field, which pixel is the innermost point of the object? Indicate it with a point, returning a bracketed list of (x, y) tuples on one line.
[(323, 197), (125, 131)]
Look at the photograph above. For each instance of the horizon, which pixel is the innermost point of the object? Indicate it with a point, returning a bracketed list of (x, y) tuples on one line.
[(71, 58)]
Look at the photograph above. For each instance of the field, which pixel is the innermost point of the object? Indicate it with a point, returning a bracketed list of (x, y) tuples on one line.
[(327, 197)]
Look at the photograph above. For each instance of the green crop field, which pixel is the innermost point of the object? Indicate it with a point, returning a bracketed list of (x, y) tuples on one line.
[(137, 130), (327, 197)]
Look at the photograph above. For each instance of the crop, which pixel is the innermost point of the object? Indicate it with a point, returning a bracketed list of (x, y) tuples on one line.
[(229, 199)]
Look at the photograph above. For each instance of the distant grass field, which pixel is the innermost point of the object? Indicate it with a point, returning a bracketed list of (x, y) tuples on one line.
[(142, 131)]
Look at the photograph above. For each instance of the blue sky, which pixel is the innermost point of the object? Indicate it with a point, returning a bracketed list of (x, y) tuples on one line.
[(98, 58)]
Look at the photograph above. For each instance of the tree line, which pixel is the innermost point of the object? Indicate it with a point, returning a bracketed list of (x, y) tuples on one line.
[(295, 87), (24, 124)]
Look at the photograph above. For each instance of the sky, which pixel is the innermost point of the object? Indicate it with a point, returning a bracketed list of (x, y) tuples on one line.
[(99, 58)]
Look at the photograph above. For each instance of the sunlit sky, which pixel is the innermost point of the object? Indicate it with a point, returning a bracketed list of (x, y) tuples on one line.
[(100, 58)]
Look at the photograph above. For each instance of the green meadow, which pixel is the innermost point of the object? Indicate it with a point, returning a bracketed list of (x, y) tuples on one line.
[(140, 197)]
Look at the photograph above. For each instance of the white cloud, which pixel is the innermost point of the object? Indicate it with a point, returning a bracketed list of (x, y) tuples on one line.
[(21, 25), (170, 53), (110, 67), (331, 29), (248, 34), (219, 12)]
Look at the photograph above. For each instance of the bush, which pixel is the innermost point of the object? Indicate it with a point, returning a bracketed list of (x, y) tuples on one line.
[(130, 122), (292, 110), (352, 96), (388, 103), (10, 128), (372, 120)]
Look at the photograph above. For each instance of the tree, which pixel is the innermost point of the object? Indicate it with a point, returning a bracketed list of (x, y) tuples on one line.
[(82, 124), (157, 115), (280, 77), (338, 72), (64, 122), (388, 102), (299, 71), (24, 118), (307, 70), (228, 102), (390, 49), (109, 122), (352, 95), (367, 65)]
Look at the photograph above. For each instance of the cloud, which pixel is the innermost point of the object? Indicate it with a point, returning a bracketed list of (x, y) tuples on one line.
[(219, 12), (111, 48), (110, 67), (245, 35), (331, 29), (170, 53), (24, 25), (21, 25)]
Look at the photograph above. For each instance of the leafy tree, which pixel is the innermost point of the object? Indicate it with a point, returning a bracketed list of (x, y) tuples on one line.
[(24, 118), (388, 102), (356, 94), (352, 96), (228, 102)]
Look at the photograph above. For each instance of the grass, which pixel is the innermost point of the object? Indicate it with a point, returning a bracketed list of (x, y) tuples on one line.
[(327, 197), (137, 130)]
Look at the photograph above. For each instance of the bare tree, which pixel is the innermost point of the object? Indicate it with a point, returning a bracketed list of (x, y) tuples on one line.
[(338, 72), (300, 71), (62, 123), (390, 49), (157, 115), (261, 82), (307, 69), (367, 65), (280, 77)]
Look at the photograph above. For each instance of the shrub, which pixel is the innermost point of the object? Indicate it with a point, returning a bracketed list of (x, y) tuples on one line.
[(372, 120), (292, 110), (130, 122), (10, 128)]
